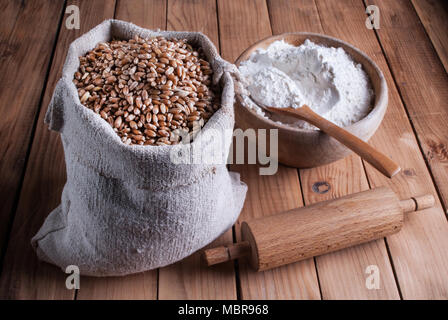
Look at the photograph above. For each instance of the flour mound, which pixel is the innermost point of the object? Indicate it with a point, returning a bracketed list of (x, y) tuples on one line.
[(326, 79)]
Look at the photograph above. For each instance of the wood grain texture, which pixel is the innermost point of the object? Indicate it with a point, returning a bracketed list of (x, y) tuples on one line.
[(323, 227), (420, 251), (194, 15), (9, 11), (422, 82), (294, 16), (241, 23), (140, 286), (149, 14), (226, 252), (434, 16), (341, 274), (25, 55), (191, 278), (23, 276)]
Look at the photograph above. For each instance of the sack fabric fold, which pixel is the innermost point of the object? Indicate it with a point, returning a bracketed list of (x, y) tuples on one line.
[(127, 209)]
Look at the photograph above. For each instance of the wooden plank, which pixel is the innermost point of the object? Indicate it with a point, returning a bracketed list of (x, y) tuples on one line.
[(195, 15), (140, 286), (341, 274), (23, 276), (294, 16), (25, 55), (189, 278), (422, 82), (420, 250), (271, 195), (149, 14), (241, 23), (434, 16), (9, 11)]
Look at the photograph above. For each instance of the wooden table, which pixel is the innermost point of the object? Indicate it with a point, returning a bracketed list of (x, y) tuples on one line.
[(411, 47)]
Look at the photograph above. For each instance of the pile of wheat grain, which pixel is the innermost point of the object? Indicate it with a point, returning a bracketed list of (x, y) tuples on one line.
[(151, 91)]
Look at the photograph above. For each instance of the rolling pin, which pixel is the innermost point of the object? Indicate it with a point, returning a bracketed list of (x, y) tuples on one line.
[(320, 228)]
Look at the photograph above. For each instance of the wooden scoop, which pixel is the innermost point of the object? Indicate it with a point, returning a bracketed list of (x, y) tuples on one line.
[(377, 159)]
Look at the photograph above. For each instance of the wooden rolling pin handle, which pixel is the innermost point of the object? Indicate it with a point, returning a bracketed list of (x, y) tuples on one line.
[(417, 203), (226, 253)]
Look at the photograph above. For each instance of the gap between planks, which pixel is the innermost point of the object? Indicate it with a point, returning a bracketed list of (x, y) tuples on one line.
[(433, 14), (23, 39)]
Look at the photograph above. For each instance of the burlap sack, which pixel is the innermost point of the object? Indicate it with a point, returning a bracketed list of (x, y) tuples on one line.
[(127, 209)]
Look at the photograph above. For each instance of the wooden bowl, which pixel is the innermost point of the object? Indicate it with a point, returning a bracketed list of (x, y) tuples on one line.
[(303, 148)]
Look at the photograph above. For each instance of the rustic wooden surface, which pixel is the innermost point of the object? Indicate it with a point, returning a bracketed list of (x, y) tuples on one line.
[(411, 48)]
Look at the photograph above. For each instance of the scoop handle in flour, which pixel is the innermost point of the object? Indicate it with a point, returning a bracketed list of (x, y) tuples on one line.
[(377, 159)]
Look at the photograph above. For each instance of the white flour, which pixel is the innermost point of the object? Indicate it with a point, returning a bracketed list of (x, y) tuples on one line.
[(326, 79)]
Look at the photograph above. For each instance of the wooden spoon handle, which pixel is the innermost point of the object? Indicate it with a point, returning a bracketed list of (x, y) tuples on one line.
[(377, 159)]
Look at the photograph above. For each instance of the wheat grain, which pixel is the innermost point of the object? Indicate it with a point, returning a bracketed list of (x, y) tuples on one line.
[(146, 89)]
